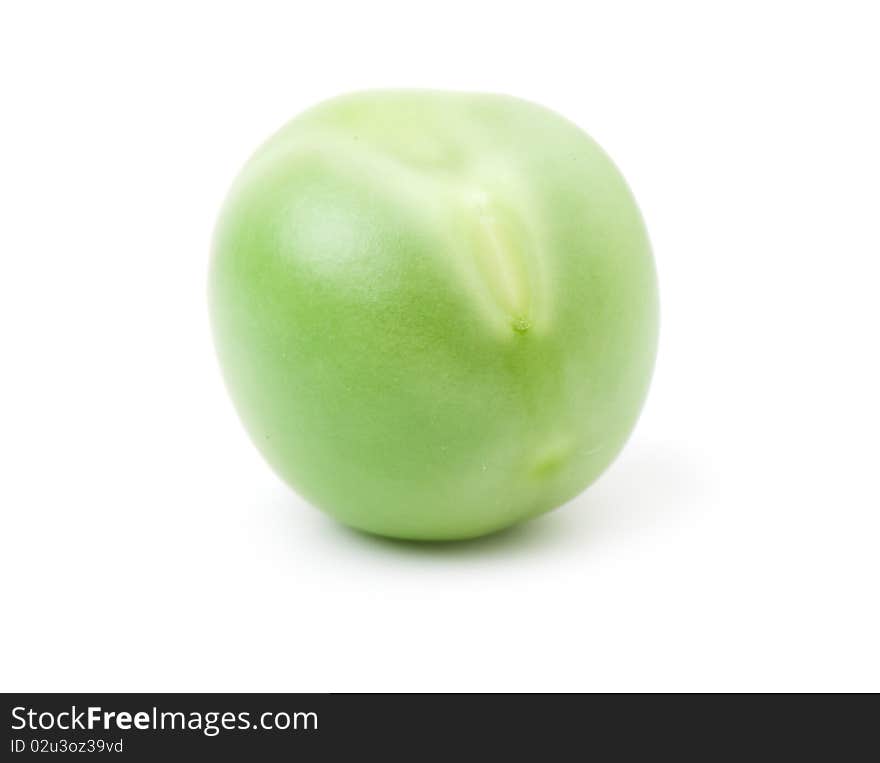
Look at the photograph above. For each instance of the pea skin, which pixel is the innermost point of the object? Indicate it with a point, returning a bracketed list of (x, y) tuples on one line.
[(436, 312)]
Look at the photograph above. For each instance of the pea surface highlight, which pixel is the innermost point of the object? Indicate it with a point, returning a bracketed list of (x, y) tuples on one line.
[(436, 312)]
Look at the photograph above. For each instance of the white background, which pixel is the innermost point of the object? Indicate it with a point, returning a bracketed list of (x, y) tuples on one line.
[(733, 545)]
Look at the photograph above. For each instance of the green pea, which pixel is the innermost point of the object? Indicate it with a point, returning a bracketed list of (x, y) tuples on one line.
[(436, 312)]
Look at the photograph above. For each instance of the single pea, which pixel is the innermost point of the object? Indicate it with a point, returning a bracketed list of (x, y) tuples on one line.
[(436, 312)]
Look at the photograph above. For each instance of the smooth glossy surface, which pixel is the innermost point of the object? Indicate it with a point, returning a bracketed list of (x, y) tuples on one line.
[(436, 312)]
